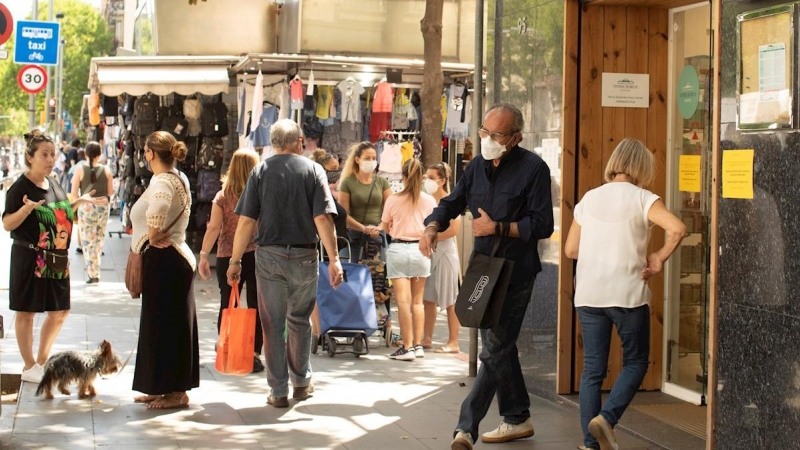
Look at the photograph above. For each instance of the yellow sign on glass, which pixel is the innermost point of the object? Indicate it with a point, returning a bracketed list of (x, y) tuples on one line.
[(689, 173), (737, 174)]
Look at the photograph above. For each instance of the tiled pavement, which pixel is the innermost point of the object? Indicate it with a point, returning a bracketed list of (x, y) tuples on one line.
[(365, 403)]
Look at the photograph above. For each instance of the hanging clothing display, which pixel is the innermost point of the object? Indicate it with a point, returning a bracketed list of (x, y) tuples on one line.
[(310, 88), (285, 105), (296, 87), (351, 92), (258, 99), (459, 112), (324, 100), (383, 98), (242, 123)]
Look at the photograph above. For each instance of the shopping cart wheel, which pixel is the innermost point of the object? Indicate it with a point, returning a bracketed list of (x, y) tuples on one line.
[(388, 334), (358, 345), (331, 347), (314, 343)]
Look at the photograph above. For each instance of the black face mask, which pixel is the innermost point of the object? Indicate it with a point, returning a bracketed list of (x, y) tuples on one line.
[(333, 176)]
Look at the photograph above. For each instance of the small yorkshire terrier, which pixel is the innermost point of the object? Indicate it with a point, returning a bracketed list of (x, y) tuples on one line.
[(81, 367)]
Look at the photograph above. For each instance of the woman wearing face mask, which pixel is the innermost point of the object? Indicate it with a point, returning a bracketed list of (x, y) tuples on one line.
[(441, 288), (362, 194)]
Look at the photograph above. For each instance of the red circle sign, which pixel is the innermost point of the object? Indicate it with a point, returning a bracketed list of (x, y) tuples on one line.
[(32, 79), (6, 24)]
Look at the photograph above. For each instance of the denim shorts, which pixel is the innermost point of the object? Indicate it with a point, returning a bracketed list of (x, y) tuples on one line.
[(404, 260)]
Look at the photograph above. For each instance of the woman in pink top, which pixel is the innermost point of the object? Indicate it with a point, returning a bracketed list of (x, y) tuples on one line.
[(221, 228), (403, 217)]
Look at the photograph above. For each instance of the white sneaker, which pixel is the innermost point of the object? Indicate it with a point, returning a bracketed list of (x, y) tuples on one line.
[(602, 431), (403, 355), (508, 432), (462, 441), (34, 374), (419, 352)]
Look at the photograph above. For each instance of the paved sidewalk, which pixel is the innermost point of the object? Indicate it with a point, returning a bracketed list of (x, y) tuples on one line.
[(365, 403)]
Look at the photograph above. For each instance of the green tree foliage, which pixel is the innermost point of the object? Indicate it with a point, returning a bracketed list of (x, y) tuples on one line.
[(86, 35)]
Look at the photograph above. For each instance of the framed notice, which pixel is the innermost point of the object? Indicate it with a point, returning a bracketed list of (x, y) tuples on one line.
[(626, 90), (766, 77)]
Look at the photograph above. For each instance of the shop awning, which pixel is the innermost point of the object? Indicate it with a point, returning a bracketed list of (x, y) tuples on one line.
[(161, 75)]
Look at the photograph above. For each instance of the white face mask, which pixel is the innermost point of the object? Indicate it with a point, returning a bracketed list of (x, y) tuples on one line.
[(430, 186), (368, 166), (491, 149)]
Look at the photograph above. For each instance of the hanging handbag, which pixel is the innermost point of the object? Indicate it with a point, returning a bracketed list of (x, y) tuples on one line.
[(133, 271), (237, 331), (480, 299)]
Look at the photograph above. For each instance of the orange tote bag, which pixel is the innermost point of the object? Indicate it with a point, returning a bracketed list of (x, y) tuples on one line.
[(236, 338)]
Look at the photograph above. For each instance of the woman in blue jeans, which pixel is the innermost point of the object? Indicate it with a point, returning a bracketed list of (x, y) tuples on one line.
[(609, 238)]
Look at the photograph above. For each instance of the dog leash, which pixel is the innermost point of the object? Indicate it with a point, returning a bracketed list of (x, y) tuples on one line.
[(125, 363)]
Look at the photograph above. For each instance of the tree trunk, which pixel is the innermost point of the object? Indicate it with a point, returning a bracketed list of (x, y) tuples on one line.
[(432, 83)]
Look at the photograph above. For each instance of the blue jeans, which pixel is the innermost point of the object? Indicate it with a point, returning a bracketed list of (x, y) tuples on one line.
[(633, 327), (287, 289), (500, 371)]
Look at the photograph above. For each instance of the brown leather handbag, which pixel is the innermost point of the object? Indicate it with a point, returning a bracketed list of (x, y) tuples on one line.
[(133, 271)]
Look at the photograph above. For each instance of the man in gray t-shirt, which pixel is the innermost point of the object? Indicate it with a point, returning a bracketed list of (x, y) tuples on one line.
[(289, 197)]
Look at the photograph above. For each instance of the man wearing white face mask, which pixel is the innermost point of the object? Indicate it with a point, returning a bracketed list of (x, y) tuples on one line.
[(507, 189)]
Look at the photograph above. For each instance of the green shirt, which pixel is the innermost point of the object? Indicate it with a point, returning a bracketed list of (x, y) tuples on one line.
[(359, 193)]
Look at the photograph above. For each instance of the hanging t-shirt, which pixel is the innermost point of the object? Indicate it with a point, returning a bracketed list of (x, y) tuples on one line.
[(258, 99), (241, 125), (324, 100), (261, 135), (392, 158), (459, 112), (351, 100), (407, 150), (296, 87), (383, 98), (285, 105)]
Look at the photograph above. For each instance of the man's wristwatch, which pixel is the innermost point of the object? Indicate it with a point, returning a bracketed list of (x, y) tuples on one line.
[(236, 263)]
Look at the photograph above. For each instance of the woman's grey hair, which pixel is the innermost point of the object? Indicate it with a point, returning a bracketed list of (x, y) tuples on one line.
[(519, 122), (284, 133), (632, 158)]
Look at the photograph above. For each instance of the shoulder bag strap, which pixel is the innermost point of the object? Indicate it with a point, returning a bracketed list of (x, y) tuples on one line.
[(369, 197), (180, 180)]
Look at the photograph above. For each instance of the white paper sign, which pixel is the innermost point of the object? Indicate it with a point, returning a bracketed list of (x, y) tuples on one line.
[(626, 90)]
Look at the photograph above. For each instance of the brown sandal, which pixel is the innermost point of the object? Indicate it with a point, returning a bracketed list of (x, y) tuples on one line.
[(146, 398), (170, 401)]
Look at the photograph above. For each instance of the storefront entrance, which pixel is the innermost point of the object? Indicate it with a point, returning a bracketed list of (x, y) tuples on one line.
[(689, 197)]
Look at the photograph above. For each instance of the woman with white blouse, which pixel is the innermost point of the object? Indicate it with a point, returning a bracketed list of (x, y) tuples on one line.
[(168, 353)]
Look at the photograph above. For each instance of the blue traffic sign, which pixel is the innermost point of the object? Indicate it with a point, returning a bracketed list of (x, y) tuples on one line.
[(36, 42)]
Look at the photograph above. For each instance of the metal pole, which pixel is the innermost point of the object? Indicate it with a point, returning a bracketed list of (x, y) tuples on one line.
[(32, 97), (477, 117), (49, 89), (59, 86)]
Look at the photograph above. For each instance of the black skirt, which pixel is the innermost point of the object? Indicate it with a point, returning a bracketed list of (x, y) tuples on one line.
[(30, 293), (168, 356)]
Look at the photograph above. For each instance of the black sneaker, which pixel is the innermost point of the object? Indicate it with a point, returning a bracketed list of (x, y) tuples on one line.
[(258, 366), (93, 281), (79, 250), (403, 355)]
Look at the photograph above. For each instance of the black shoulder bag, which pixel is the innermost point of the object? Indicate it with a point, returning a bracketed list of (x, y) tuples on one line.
[(482, 294)]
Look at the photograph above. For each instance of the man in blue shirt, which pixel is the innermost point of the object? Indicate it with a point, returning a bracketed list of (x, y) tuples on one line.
[(288, 197), (505, 187)]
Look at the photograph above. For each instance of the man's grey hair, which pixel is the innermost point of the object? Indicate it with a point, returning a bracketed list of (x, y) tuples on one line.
[(519, 122), (284, 133)]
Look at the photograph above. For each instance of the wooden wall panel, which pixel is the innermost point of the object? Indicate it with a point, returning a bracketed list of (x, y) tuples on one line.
[(658, 42), (626, 40), (590, 130), (569, 169)]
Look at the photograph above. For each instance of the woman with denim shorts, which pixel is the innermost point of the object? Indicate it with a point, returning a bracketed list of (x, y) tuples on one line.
[(403, 217), (609, 238)]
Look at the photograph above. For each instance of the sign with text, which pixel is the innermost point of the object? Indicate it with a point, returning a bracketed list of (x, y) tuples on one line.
[(36, 42), (6, 24), (689, 167), (32, 79), (626, 90), (737, 174)]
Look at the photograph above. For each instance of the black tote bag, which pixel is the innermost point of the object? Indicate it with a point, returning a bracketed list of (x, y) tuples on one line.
[(480, 299)]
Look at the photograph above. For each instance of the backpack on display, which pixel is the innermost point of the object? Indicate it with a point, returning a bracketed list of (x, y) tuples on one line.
[(140, 165), (214, 120), (210, 154), (175, 124), (202, 215), (208, 184), (189, 164), (192, 109), (145, 119), (128, 107)]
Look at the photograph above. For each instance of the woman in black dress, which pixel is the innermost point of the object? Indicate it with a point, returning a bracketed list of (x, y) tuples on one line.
[(167, 362), (39, 217)]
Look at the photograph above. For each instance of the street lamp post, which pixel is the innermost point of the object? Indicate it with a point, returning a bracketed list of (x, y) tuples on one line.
[(49, 89), (32, 97)]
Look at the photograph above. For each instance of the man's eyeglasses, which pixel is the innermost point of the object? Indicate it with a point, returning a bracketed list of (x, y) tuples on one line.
[(484, 133)]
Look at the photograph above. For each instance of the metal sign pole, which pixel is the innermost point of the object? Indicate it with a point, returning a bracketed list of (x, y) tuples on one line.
[(32, 97), (48, 89)]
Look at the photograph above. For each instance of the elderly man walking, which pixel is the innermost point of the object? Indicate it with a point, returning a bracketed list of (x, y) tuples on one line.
[(288, 196), (507, 188)]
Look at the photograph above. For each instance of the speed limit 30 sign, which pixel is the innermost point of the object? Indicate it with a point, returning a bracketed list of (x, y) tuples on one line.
[(32, 79)]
